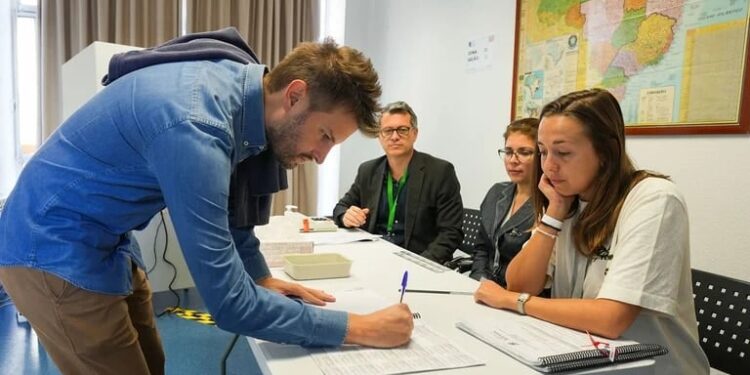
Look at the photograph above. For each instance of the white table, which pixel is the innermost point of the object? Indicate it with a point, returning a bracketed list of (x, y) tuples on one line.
[(377, 267)]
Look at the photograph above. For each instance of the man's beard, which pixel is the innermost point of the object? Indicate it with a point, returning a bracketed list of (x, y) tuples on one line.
[(284, 138)]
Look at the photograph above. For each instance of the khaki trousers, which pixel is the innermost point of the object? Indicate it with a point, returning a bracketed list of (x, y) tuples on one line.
[(85, 332)]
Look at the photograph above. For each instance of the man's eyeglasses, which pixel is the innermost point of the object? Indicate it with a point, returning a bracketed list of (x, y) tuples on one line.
[(402, 131), (523, 154)]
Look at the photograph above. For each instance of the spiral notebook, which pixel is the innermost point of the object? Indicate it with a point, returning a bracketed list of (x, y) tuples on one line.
[(550, 348)]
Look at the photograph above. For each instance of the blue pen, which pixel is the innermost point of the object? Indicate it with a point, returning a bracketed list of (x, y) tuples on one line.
[(403, 285)]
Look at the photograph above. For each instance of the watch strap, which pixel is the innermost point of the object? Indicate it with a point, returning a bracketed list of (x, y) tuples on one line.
[(521, 302), (552, 222)]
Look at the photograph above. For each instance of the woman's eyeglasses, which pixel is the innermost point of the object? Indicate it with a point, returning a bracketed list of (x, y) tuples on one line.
[(523, 154)]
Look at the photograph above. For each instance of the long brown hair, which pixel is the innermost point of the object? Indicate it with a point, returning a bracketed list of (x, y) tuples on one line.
[(601, 117)]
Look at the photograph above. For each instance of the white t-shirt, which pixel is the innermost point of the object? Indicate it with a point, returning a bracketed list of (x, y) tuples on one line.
[(647, 264)]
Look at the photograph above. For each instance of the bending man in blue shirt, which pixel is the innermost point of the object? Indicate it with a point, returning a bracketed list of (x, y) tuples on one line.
[(173, 124)]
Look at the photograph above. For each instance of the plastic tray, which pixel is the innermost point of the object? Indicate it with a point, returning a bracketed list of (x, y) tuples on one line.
[(316, 266)]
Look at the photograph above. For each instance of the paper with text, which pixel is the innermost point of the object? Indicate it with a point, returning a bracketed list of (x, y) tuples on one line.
[(427, 351)]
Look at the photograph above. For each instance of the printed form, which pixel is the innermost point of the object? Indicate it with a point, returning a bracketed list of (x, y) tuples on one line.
[(427, 350)]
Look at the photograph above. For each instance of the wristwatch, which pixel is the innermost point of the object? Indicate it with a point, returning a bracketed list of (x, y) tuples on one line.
[(521, 301)]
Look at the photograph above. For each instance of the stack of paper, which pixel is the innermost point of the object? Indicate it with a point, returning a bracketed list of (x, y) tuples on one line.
[(274, 251), (281, 237)]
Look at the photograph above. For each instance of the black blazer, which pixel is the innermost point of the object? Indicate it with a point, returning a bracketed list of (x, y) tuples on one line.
[(433, 204), (506, 240)]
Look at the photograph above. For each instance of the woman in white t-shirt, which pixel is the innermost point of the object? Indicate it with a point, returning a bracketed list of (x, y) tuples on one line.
[(612, 242)]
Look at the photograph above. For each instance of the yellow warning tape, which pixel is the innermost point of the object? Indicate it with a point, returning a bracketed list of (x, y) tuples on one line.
[(196, 316)]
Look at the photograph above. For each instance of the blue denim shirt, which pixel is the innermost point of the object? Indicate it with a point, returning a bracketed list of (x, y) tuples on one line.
[(166, 135)]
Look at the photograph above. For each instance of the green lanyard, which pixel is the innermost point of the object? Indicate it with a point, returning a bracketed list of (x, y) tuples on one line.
[(393, 202)]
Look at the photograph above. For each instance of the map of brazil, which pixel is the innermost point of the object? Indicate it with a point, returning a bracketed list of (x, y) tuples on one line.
[(668, 62)]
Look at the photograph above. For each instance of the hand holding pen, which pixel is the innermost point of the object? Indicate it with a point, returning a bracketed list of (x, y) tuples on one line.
[(384, 328)]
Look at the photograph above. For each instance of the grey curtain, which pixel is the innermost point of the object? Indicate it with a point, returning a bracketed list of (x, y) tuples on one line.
[(68, 26), (272, 28)]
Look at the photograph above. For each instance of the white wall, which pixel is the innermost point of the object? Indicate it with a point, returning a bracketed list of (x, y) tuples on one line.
[(714, 178), (419, 48)]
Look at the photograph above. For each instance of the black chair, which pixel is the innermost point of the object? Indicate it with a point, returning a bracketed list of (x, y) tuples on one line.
[(722, 307), (472, 221)]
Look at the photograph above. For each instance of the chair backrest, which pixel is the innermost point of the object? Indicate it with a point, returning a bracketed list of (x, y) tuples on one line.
[(471, 223), (722, 307)]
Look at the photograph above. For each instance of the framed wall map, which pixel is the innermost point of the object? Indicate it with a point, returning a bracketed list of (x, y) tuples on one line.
[(676, 66)]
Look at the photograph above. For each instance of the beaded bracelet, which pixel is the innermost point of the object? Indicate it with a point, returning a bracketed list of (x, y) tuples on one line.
[(548, 234)]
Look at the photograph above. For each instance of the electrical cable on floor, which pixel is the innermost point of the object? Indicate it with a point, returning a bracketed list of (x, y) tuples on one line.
[(156, 240), (174, 268)]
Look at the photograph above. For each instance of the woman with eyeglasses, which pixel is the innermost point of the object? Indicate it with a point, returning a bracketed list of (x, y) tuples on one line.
[(506, 211), (610, 240)]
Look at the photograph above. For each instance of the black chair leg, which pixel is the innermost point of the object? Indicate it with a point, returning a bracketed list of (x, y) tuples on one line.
[(226, 354)]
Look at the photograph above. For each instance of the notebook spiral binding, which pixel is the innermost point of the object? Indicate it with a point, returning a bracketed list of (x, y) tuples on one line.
[(570, 357)]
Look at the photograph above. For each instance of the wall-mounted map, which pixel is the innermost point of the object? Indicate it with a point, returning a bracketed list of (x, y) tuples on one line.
[(671, 63)]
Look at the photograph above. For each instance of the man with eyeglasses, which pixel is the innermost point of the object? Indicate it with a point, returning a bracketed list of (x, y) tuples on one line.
[(411, 198)]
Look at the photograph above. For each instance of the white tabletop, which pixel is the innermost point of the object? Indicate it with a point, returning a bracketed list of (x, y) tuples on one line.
[(375, 266)]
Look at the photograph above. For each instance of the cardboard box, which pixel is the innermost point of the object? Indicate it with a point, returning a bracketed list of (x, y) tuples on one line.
[(274, 251)]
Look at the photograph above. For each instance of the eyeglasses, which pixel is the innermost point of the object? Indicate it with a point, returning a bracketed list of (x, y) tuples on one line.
[(523, 154), (402, 131)]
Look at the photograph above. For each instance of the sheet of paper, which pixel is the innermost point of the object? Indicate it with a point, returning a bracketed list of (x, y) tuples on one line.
[(339, 237), (427, 351), (358, 300)]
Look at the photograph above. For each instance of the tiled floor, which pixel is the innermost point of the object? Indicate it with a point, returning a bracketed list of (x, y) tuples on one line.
[(190, 348)]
